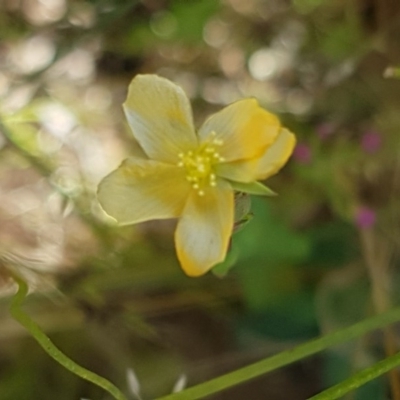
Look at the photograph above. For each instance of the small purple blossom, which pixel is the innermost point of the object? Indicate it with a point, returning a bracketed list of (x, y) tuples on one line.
[(302, 153), (371, 142), (365, 217)]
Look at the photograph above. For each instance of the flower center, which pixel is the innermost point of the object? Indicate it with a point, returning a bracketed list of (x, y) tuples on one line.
[(199, 164)]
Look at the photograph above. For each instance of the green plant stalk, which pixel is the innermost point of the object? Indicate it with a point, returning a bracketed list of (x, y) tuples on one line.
[(359, 379), (287, 357), (50, 348)]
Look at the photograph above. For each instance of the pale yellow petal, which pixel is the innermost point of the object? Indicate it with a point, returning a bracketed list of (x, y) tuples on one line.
[(141, 190), (204, 230), (160, 116), (245, 128), (274, 158), (277, 155)]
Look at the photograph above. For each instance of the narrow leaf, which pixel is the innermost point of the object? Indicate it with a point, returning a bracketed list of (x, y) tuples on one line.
[(244, 374), (359, 379), (256, 188)]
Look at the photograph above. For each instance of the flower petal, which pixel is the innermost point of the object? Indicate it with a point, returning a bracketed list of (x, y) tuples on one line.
[(141, 190), (160, 116), (277, 155), (245, 128), (263, 167), (204, 229)]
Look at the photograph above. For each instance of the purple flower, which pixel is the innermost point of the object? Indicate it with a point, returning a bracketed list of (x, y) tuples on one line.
[(365, 217), (302, 153), (371, 142)]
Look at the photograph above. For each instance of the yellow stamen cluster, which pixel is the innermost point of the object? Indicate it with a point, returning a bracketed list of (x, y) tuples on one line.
[(199, 164)]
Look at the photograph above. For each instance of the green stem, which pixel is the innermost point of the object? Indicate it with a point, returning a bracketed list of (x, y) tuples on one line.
[(50, 348), (287, 357), (359, 379)]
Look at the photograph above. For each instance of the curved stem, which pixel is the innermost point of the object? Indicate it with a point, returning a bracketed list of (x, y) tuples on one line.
[(50, 348), (286, 357)]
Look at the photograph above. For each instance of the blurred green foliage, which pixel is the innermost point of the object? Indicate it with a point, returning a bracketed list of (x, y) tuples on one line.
[(115, 298)]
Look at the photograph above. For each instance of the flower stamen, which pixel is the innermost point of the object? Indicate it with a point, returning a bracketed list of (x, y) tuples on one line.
[(200, 164)]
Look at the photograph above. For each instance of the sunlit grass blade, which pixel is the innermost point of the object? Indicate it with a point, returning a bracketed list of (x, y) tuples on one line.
[(287, 357), (359, 379)]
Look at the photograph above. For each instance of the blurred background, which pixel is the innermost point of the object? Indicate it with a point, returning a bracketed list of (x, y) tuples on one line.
[(318, 257)]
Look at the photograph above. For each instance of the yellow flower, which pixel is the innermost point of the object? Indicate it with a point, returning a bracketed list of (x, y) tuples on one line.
[(192, 175)]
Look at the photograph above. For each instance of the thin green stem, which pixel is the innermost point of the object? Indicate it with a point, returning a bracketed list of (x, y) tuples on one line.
[(287, 357), (50, 348), (359, 379)]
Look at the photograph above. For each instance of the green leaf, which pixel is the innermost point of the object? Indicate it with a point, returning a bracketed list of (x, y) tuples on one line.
[(221, 269), (269, 249), (256, 188), (239, 225), (242, 206), (269, 240)]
